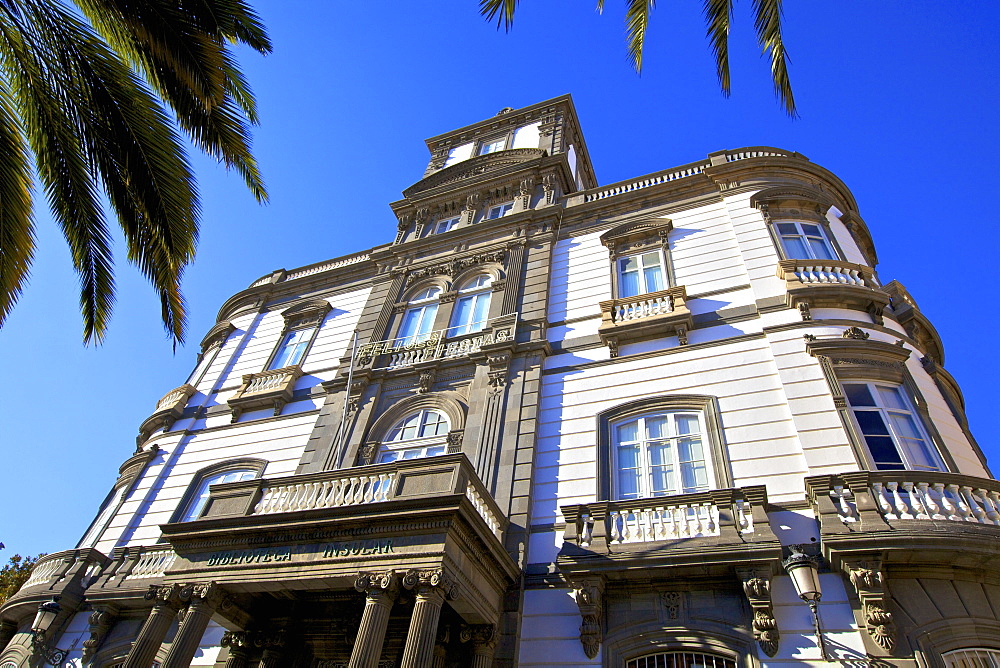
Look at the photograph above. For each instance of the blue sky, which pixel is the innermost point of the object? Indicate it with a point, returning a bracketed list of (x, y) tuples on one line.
[(898, 99)]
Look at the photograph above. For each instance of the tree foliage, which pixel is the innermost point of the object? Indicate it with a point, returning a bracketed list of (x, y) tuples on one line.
[(90, 107), (718, 17), (14, 574)]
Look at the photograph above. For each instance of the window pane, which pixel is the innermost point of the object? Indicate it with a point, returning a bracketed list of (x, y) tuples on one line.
[(795, 248), (657, 427), (628, 457), (858, 395), (292, 348), (628, 484), (904, 426), (811, 230), (687, 424), (871, 422), (891, 397), (654, 279), (628, 432), (650, 260), (821, 250), (788, 228), (480, 311), (884, 452), (463, 316)]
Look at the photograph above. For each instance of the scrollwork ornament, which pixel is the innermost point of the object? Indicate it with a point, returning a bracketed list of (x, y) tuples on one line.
[(856, 333)]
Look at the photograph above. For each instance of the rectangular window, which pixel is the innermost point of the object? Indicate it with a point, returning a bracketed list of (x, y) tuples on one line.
[(442, 226), (293, 348), (660, 455), (639, 274), (805, 241), (499, 210), (97, 528), (891, 431), (206, 361), (492, 147)]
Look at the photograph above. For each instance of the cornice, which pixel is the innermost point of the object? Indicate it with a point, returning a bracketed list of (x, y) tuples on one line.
[(487, 166)]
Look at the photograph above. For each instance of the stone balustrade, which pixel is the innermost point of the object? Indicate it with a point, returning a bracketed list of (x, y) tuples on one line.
[(66, 574), (265, 389), (360, 486), (905, 495), (712, 514), (650, 315), (830, 272), (437, 345)]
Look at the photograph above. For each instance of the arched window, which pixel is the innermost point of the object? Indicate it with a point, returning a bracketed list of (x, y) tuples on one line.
[(681, 660), (659, 454), (193, 504), (472, 306), (979, 657), (420, 434), (418, 320)]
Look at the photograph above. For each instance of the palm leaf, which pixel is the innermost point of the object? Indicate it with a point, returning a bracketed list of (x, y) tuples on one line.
[(17, 239), (719, 16), (500, 10), (767, 22), (636, 24)]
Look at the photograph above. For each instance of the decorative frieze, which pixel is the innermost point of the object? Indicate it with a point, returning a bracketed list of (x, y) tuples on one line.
[(456, 266)]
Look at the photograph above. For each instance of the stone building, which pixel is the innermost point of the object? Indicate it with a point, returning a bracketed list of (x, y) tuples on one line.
[(552, 423)]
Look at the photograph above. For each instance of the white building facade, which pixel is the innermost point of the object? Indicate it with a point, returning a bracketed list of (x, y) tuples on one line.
[(552, 424)]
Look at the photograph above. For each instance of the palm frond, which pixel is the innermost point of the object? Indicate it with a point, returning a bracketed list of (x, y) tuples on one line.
[(500, 10), (17, 238), (636, 23), (767, 22), (719, 16)]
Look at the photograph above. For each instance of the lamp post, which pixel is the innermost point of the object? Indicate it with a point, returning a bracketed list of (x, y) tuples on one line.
[(46, 615), (804, 571)]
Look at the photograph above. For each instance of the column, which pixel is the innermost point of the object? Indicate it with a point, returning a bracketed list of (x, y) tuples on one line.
[(420, 641), (274, 649), (240, 644), (484, 642), (380, 591), (441, 647), (8, 630), (166, 602), (204, 599)]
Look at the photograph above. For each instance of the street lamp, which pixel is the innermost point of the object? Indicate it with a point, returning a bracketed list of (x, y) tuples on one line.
[(804, 571), (46, 615)]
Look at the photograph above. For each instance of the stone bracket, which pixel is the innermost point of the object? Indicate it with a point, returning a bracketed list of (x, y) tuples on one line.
[(101, 620), (757, 587), (590, 599), (868, 581)]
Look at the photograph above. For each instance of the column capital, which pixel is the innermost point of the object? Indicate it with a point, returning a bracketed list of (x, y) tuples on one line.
[(207, 594), (381, 587), (238, 641), (165, 596), (482, 636), (431, 583)]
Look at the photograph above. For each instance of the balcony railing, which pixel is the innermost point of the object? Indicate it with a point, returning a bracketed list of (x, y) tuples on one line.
[(68, 572), (360, 486), (817, 272), (628, 309), (715, 513), (436, 345), (265, 389), (906, 495)]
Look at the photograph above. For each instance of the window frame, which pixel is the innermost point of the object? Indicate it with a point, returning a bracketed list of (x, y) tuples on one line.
[(191, 492), (420, 442), (474, 294), (412, 304), (304, 316), (504, 139), (638, 237), (281, 345), (825, 232), (435, 227), (713, 442), (506, 208), (885, 412), (665, 275)]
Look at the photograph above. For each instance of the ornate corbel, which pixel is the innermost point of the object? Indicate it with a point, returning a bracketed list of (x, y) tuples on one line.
[(549, 187), (101, 620), (804, 311), (419, 220), (455, 441), (497, 373), (425, 382), (590, 599), (367, 454), (612, 346), (875, 311), (525, 188), (469, 210), (869, 584), (402, 225), (682, 335), (757, 587)]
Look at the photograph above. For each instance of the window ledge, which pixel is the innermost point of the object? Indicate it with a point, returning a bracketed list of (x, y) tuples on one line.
[(647, 316), (265, 389)]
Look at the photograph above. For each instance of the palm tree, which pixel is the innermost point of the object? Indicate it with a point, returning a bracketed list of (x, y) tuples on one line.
[(84, 95), (718, 16)]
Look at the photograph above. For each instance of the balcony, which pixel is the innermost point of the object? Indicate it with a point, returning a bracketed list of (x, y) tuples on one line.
[(265, 389), (437, 345), (914, 513), (707, 531), (647, 316), (168, 410), (65, 574), (315, 532), (832, 284)]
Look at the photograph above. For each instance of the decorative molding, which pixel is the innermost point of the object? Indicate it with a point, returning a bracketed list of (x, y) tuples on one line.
[(869, 584), (757, 587), (217, 335), (672, 601), (456, 266), (634, 236), (856, 333), (306, 314), (590, 600), (497, 373), (101, 620)]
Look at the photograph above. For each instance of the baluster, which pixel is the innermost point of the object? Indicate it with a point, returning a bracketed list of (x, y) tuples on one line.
[(902, 507), (978, 515), (964, 513), (585, 535), (883, 503), (262, 504), (616, 527), (927, 498), (916, 507), (992, 503), (370, 489), (338, 492), (950, 510), (634, 529)]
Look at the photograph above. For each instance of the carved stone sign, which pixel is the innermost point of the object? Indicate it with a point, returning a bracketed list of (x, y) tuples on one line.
[(353, 548)]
